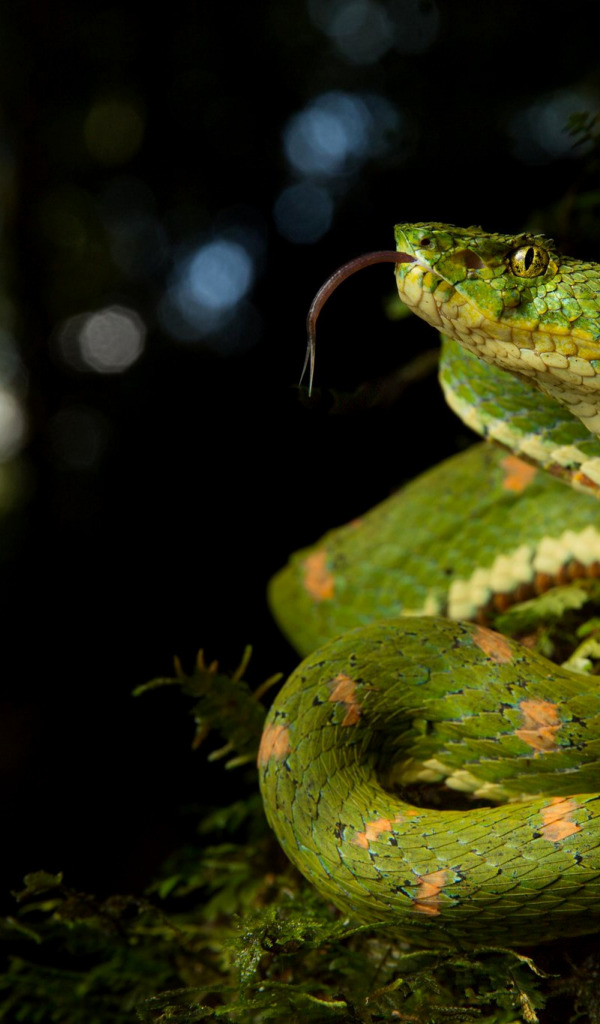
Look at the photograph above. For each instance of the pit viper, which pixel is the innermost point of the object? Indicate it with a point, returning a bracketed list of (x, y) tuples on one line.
[(404, 687)]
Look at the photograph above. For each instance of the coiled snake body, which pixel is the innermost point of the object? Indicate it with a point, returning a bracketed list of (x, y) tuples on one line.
[(391, 698)]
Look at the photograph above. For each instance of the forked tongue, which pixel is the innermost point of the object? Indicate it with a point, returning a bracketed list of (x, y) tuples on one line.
[(384, 256)]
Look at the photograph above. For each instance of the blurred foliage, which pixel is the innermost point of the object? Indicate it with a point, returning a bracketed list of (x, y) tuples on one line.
[(225, 703)]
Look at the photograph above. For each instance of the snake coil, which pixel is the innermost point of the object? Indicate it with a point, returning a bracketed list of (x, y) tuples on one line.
[(390, 698)]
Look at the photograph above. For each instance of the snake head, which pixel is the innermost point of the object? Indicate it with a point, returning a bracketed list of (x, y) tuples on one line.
[(514, 302), (495, 274), (511, 300)]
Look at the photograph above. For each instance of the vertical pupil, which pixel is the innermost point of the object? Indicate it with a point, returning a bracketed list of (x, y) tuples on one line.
[(528, 258)]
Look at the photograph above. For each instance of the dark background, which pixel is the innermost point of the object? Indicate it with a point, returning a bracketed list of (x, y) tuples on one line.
[(150, 505)]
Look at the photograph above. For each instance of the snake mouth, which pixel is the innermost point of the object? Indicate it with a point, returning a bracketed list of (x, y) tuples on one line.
[(400, 257)]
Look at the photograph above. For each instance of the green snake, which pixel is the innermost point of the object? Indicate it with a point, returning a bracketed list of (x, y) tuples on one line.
[(403, 685)]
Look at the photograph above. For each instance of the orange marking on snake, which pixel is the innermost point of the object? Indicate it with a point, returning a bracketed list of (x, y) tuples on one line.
[(518, 474), (275, 742), (584, 481), (344, 692), (429, 888), (318, 579), (373, 830), (540, 724), (556, 817), (495, 646)]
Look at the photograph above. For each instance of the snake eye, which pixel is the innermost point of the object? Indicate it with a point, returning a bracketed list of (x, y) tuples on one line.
[(528, 261)]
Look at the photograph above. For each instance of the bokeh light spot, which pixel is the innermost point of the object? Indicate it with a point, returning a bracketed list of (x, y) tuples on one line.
[(12, 424), (364, 30), (205, 297), (112, 339), (539, 130), (218, 275), (109, 340), (113, 130), (361, 31), (303, 213), (323, 137), (337, 132)]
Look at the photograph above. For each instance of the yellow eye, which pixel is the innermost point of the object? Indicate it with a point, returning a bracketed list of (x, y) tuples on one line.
[(528, 261)]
